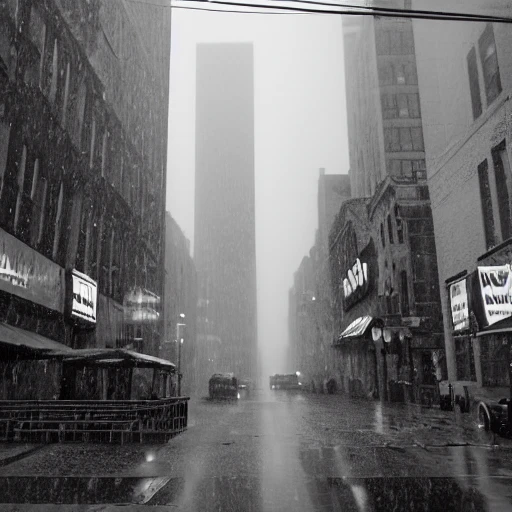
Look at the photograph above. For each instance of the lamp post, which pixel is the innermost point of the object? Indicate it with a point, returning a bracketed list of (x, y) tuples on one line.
[(179, 341)]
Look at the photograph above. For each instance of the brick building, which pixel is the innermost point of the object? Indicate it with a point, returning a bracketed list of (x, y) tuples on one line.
[(393, 227), (465, 75), (83, 138)]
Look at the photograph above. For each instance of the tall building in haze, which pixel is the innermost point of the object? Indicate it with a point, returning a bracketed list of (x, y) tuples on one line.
[(225, 246)]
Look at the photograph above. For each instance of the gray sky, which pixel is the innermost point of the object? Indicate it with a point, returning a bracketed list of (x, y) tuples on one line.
[(300, 126)]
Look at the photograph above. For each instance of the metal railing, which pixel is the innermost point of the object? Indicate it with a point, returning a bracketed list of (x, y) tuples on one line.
[(93, 420)]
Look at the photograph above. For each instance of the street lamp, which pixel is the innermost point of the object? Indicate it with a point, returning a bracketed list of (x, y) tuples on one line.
[(179, 341)]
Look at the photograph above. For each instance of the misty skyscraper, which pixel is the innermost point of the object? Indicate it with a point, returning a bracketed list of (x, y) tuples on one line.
[(225, 245)]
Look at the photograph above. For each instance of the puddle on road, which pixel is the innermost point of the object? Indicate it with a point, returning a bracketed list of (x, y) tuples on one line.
[(79, 490), (326, 494)]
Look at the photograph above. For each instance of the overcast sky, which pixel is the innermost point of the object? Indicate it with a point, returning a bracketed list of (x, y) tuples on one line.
[(300, 126)]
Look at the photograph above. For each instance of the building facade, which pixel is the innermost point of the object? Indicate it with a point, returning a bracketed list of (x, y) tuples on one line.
[(383, 109), (310, 298), (83, 138), (225, 239), (180, 299), (465, 75)]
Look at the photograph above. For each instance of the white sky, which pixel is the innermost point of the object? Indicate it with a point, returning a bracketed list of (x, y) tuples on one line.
[(300, 126)]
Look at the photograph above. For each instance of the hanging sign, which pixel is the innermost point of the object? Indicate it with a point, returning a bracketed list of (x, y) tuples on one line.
[(82, 296), (355, 284), (459, 305), (496, 292)]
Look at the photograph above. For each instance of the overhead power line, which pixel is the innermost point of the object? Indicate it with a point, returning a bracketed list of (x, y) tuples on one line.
[(324, 8)]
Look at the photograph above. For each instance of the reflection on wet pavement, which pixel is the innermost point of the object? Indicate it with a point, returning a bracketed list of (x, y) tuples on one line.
[(284, 451)]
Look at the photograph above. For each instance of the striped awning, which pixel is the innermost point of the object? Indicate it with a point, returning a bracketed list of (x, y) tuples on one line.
[(356, 329)]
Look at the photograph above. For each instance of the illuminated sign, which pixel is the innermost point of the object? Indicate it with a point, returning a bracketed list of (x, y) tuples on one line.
[(459, 305), (496, 292), (141, 306), (29, 275), (355, 284), (83, 296)]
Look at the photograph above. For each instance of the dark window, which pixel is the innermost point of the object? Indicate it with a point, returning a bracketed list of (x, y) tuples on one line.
[(39, 204), (382, 238), (390, 229), (82, 237), (423, 194), (51, 208), (489, 59), (503, 188), (417, 139), (485, 197), (399, 225), (94, 234), (474, 86), (404, 294), (106, 238)]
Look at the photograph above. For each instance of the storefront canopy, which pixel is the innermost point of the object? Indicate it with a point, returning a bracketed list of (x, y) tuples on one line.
[(503, 326), (356, 329), (115, 357), (16, 343)]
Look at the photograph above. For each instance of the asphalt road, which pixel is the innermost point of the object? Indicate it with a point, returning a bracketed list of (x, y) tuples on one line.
[(280, 451)]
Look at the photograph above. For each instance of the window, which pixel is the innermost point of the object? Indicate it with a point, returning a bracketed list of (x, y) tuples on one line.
[(489, 59), (39, 191), (19, 180), (474, 86), (66, 95), (395, 42), (93, 141), (486, 202), (404, 105), (382, 238), (503, 179), (399, 224), (390, 230), (403, 139), (404, 294), (5, 130), (54, 72), (58, 222)]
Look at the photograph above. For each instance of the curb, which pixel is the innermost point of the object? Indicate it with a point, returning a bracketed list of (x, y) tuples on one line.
[(14, 458)]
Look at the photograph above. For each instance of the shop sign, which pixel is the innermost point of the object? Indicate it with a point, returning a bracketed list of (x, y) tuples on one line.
[(141, 306), (459, 305), (355, 284), (82, 296), (29, 275), (496, 292)]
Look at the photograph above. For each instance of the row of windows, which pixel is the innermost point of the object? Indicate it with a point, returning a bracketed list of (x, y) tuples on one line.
[(395, 42), (407, 168), (496, 194), (400, 105), (397, 73), (63, 78), (404, 139), (487, 64)]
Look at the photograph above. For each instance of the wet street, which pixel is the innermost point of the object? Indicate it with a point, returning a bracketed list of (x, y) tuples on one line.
[(278, 451)]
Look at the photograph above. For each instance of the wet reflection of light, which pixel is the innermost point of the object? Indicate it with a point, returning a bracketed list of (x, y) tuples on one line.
[(238, 395), (379, 423), (150, 457), (360, 496)]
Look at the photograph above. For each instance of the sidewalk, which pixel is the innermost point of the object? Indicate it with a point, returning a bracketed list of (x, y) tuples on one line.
[(11, 452)]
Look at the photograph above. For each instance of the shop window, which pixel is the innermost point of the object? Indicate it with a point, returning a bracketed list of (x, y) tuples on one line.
[(490, 68), (474, 86), (464, 358)]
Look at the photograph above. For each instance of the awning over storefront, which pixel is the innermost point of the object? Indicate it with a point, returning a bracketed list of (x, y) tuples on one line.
[(19, 343), (500, 327), (356, 329), (116, 357)]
